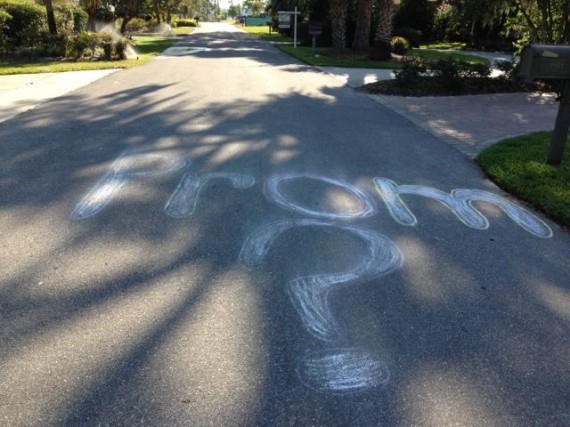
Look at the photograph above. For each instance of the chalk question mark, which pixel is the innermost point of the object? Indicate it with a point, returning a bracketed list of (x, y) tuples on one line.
[(339, 368)]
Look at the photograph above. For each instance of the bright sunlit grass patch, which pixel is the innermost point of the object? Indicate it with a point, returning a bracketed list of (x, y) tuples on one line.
[(519, 166)]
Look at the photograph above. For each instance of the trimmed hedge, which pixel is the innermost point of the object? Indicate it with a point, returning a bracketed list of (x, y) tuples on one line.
[(186, 23), (25, 26), (71, 17)]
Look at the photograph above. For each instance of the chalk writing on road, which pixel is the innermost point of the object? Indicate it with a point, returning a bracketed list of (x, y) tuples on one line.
[(460, 202), (182, 203), (274, 193), (125, 168), (310, 297), (339, 367)]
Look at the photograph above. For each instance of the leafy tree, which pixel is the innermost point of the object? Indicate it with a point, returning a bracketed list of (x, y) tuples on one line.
[(234, 10), (255, 7), (542, 21), (416, 14), (129, 9), (91, 7)]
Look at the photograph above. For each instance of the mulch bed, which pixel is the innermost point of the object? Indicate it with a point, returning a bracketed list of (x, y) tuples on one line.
[(430, 86)]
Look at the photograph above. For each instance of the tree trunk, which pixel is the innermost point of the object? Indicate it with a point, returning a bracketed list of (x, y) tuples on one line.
[(92, 23), (363, 23), (51, 18), (124, 24), (382, 50), (157, 11), (338, 13)]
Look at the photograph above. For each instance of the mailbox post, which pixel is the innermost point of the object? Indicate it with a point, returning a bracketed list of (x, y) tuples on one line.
[(315, 29), (551, 63)]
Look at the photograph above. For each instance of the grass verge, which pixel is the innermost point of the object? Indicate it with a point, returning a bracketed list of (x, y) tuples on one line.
[(518, 165), (444, 45), (146, 47), (326, 57)]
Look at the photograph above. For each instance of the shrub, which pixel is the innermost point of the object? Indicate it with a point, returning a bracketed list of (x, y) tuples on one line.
[(414, 37), (121, 47), (510, 68), (448, 73), (5, 18), (446, 22), (411, 71), (477, 71), (106, 43), (400, 45), (71, 17), (78, 45), (186, 23), (26, 23), (136, 25)]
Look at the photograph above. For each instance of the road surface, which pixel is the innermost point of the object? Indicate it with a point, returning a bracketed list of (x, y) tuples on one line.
[(227, 237)]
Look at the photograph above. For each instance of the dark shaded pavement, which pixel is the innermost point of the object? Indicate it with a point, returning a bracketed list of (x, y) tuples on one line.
[(233, 238)]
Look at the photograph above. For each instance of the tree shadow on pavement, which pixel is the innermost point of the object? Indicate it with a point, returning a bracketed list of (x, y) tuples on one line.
[(131, 316)]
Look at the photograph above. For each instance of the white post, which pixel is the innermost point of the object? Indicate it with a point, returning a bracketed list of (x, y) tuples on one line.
[(295, 30)]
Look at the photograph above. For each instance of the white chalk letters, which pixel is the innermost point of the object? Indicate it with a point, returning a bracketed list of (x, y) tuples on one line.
[(335, 366), (460, 202)]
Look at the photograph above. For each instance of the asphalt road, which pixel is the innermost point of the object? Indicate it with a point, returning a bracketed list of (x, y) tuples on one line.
[(227, 237)]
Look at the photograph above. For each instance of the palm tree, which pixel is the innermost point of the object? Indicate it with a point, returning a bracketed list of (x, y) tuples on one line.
[(361, 40), (382, 50), (338, 13)]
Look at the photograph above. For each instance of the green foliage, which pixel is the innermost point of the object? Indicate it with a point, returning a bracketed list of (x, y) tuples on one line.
[(25, 26), (5, 18), (255, 7), (70, 17), (417, 14), (412, 69), (541, 21), (121, 47), (186, 23), (137, 25), (147, 48), (519, 166), (447, 74), (446, 22), (400, 45), (89, 45)]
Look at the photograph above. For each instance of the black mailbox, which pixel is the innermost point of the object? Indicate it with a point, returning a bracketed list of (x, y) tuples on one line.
[(540, 61), (315, 29)]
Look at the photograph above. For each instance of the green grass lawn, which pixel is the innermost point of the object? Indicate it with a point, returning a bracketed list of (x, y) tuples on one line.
[(146, 47), (326, 57), (434, 55), (444, 45), (518, 165)]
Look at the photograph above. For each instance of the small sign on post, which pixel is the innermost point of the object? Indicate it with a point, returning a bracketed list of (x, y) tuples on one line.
[(315, 29), (284, 18)]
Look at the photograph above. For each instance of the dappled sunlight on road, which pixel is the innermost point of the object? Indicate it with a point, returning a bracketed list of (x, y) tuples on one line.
[(173, 252), (555, 298), (436, 391)]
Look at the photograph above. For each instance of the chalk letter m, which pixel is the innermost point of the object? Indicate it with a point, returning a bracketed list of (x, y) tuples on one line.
[(460, 202)]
